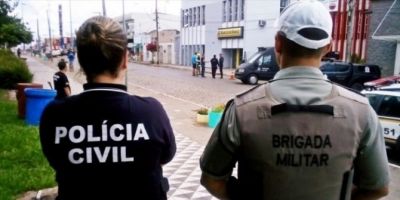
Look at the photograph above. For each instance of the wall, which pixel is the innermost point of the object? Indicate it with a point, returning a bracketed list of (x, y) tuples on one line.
[(380, 52)]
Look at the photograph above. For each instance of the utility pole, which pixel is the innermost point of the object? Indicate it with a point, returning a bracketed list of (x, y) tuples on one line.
[(157, 40), (50, 43), (70, 26), (38, 36), (124, 28), (104, 8), (350, 27)]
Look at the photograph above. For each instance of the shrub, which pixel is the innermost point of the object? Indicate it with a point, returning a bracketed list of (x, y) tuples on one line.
[(12, 70), (218, 108), (202, 111)]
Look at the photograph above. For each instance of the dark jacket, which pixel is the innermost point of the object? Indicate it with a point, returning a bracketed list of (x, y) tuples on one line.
[(214, 62)]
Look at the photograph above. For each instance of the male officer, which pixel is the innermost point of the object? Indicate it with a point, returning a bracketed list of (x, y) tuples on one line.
[(299, 136)]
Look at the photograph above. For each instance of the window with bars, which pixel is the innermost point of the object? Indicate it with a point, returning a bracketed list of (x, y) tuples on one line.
[(198, 16), (194, 16), (230, 11), (204, 15), (242, 10), (235, 17), (224, 11)]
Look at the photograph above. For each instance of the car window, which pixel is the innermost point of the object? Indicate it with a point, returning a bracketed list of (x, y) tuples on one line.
[(374, 100), (390, 106), (265, 60), (342, 67), (327, 67)]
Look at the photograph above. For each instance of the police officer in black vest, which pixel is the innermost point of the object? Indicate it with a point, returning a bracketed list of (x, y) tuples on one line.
[(298, 136), (105, 143)]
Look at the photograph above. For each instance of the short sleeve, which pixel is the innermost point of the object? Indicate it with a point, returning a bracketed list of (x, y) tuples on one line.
[(220, 154), (371, 169)]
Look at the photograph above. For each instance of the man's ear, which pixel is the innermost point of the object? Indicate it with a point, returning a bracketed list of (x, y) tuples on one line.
[(278, 48), (327, 49)]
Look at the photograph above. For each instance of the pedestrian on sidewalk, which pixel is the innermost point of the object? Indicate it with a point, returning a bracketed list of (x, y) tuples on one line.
[(221, 64), (214, 65), (60, 80), (203, 66), (19, 53), (105, 143), (71, 59), (299, 136), (194, 63)]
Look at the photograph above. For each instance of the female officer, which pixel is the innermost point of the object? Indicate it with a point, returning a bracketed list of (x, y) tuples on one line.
[(105, 143)]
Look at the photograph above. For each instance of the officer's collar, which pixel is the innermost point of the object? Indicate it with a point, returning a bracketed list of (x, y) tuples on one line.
[(104, 87), (299, 72)]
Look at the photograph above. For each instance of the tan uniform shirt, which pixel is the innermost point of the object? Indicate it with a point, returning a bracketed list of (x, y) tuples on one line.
[(296, 86)]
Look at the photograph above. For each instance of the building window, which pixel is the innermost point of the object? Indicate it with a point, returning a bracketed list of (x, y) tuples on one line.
[(235, 18), (186, 23), (182, 18), (284, 3), (230, 11), (194, 16), (190, 17), (242, 10), (224, 11), (204, 15), (198, 16)]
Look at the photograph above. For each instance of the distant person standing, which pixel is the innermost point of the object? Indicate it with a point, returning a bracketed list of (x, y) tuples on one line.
[(214, 65), (194, 63), (60, 80), (203, 65), (19, 52), (71, 58), (221, 64)]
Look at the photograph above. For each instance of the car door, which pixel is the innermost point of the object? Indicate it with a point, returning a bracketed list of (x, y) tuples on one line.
[(389, 114), (266, 71), (337, 72)]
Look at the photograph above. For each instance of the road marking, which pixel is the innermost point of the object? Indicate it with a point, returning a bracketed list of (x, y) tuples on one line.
[(168, 95)]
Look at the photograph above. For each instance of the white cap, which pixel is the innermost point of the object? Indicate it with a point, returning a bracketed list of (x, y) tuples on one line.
[(307, 23)]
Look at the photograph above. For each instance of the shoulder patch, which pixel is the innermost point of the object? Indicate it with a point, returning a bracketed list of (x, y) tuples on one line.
[(254, 93), (350, 94)]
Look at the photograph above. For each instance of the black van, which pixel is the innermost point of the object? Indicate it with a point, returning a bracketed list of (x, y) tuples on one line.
[(260, 66)]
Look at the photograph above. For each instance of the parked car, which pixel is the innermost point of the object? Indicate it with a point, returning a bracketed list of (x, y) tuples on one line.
[(386, 83), (260, 66), (387, 106), (350, 75), (263, 66)]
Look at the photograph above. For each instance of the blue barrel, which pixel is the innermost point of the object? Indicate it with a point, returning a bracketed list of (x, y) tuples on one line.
[(36, 101), (214, 118)]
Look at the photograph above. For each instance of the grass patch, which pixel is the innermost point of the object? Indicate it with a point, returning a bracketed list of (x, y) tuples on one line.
[(23, 166)]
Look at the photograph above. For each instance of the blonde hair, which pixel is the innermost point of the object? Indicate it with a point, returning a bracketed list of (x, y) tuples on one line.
[(101, 46)]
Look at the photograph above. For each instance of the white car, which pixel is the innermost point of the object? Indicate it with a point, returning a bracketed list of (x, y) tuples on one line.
[(386, 103)]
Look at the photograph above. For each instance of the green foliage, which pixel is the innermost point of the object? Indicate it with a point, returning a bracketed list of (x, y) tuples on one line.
[(12, 70), (202, 111), (218, 108), (12, 30), (357, 59), (22, 164)]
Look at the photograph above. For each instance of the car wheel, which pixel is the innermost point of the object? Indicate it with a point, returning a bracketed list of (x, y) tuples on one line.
[(244, 81), (357, 86), (253, 79)]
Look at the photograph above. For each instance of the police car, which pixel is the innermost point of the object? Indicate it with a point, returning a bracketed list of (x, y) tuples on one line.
[(386, 103)]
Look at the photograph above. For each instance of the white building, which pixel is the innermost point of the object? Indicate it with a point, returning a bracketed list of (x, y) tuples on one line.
[(235, 28)]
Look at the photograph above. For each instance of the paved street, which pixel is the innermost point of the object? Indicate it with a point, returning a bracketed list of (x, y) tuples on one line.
[(181, 94)]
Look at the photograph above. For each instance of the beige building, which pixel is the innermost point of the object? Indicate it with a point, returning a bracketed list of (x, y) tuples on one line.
[(169, 46)]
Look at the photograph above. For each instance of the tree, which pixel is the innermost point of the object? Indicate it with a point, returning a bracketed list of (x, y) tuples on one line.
[(12, 30), (152, 47)]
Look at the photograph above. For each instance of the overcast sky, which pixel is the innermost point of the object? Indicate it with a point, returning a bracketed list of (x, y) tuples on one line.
[(31, 10)]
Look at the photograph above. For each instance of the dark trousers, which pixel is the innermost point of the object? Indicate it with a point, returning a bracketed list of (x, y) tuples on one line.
[(203, 69), (220, 71), (213, 71)]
